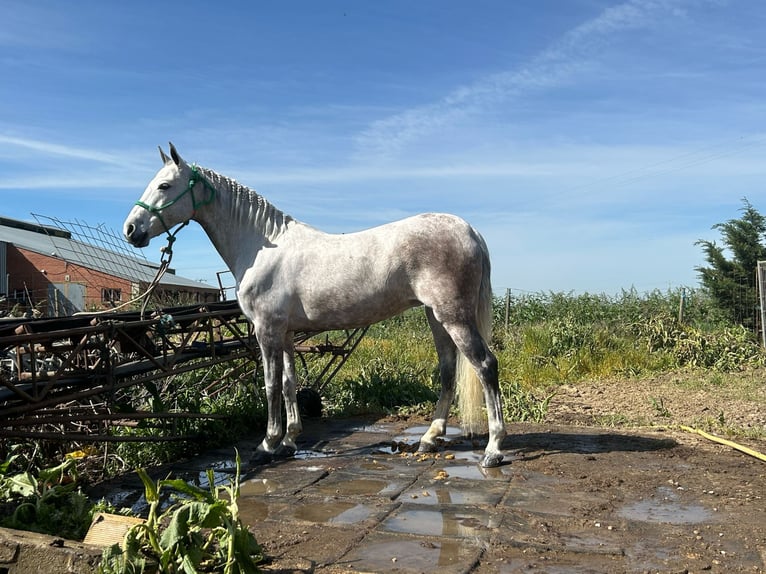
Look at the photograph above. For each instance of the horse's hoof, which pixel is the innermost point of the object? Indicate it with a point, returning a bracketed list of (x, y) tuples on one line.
[(491, 460), (427, 447)]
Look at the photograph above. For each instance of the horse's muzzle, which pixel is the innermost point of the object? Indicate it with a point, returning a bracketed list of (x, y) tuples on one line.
[(136, 237)]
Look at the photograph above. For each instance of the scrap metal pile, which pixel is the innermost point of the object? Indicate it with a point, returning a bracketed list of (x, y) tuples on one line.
[(68, 378)]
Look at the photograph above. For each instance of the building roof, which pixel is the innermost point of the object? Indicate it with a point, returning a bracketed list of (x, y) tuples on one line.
[(58, 242)]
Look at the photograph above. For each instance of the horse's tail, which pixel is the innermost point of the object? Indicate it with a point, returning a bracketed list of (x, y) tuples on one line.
[(470, 392)]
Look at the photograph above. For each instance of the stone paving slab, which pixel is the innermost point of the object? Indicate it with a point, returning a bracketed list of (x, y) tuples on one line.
[(354, 499)]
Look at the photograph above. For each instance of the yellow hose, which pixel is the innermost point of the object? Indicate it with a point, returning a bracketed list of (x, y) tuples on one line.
[(739, 447)]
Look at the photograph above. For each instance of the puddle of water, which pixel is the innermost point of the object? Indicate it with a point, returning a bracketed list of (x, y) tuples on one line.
[(367, 428), (219, 478), (420, 430), (410, 555), (413, 434), (168, 495), (334, 512), (123, 497), (356, 487), (439, 523), (468, 455), (258, 486), (665, 507), (476, 472), (311, 454), (252, 510), (451, 495), (226, 465)]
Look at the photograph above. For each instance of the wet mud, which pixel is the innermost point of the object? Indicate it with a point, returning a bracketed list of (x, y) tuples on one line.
[(569, 499)]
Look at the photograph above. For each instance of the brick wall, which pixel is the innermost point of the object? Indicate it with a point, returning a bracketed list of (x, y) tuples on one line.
[(33, 273)]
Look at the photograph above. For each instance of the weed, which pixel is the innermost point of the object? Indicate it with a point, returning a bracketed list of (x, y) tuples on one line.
[(48, 501), (612, 420), (380, 387), (659, 407), (522, 405), (200, 532)]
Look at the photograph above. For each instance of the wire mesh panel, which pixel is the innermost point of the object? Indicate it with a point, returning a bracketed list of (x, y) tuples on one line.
[(97, 245)]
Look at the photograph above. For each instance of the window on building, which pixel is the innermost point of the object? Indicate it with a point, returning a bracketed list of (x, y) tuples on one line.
[(111, 295)]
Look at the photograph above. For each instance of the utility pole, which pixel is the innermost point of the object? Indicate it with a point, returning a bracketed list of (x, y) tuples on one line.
[(507, 307), (682, 305)]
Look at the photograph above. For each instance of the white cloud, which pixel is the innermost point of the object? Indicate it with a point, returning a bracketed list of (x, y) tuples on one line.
[(53, 149), (386, 138)]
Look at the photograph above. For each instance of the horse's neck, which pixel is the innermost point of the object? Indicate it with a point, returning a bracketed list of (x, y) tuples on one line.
[(240, 222)]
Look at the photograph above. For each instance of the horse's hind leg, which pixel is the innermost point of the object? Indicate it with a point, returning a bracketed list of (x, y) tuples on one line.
[(471, 344), (447, 353)]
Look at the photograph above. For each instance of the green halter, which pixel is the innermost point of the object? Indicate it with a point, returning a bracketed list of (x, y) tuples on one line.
[(195, 178)]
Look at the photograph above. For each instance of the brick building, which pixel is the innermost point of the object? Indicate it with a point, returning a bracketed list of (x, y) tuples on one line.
[(46, 268)]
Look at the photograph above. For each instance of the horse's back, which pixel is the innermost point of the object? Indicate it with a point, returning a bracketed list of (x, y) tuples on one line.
[(337, 280)]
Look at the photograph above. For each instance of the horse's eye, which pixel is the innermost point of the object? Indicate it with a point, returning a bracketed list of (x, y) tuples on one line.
[(164, 185)]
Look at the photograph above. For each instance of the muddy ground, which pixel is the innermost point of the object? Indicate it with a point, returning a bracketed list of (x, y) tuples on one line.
[(573, 496), (572, 500)]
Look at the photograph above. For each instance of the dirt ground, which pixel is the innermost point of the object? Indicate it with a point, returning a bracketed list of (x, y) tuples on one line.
[(738, 402), (607, 483), (636, 495)]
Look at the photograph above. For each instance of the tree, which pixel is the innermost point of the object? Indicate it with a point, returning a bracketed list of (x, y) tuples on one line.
[(732, 282)]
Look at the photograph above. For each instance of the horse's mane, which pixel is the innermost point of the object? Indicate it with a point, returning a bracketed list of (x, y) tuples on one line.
[(247, 206)]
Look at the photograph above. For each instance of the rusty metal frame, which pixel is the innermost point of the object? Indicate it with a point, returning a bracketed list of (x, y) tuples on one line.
[(54, 369)]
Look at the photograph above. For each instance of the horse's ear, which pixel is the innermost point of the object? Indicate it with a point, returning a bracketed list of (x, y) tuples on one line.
[(174, 154), (165, 159)]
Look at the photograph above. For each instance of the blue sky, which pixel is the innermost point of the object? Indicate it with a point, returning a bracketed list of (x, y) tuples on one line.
[(591, 142)]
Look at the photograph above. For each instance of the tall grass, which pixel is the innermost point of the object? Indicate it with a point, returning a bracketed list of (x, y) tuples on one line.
[(548, 339), (394, 366)]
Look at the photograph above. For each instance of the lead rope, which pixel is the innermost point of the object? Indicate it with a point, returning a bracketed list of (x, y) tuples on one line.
[(167, 255)]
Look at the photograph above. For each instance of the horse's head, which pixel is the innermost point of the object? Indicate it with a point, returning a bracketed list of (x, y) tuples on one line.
[(168, 200)]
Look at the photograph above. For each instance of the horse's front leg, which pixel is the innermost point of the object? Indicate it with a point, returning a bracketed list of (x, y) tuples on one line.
[(294, 426), (271, 355)]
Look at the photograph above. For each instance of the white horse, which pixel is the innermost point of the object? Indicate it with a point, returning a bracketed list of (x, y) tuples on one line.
[(293, 277)]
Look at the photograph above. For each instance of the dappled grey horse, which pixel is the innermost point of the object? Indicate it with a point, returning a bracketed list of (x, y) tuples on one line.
[(292, 277)]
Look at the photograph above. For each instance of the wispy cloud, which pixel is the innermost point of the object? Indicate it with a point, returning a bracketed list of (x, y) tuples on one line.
[(374, 172), (387, 137), (54, 149), (33, 25)]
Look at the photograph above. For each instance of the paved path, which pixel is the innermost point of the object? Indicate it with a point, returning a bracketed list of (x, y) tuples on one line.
[(572, 500)]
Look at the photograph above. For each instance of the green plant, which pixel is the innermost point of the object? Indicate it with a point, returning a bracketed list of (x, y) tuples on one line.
[(219, 390), (522, 405), (200, 532), (659, 407), (381, 387), (49, 501)]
